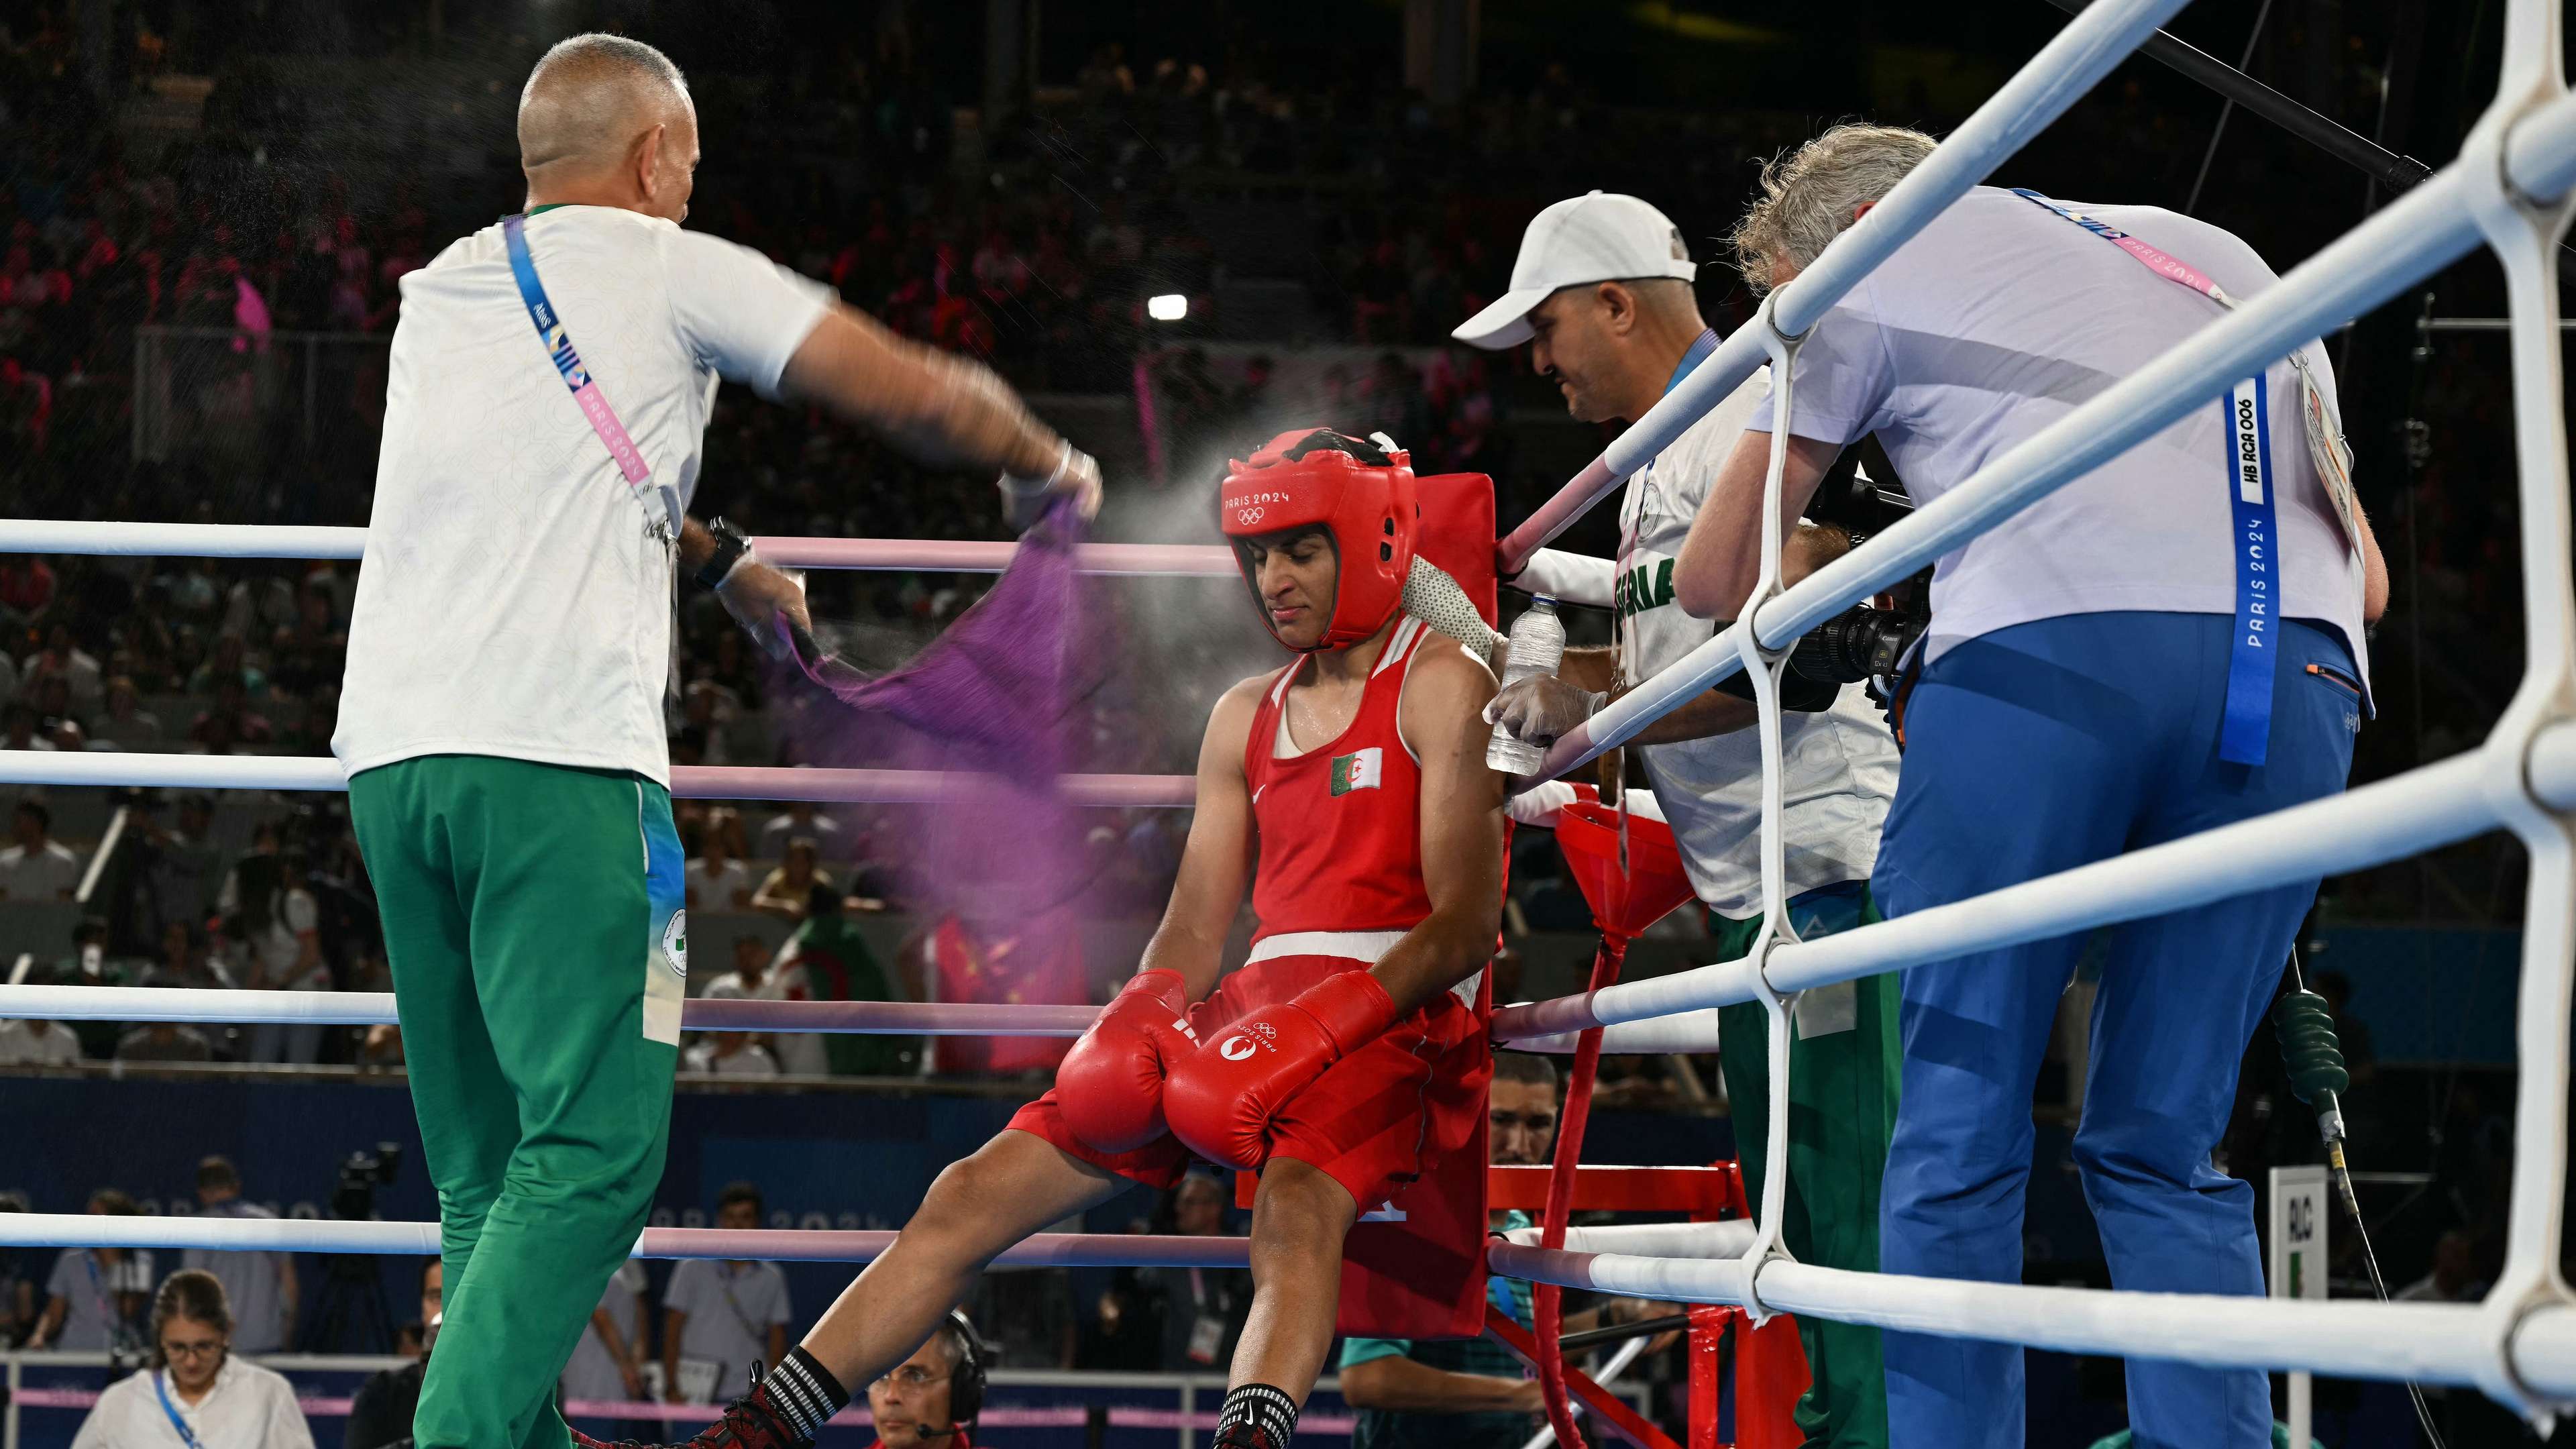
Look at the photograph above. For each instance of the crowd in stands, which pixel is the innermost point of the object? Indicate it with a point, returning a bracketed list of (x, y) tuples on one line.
[(1037, 262)]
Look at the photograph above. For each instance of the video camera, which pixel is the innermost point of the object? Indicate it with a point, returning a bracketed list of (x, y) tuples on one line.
[(361, 1173), (1864, 643)]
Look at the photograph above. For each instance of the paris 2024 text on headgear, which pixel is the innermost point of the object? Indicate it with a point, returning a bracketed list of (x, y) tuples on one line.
[(1361, 495)]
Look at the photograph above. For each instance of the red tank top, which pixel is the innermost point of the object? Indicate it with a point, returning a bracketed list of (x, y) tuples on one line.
[(1340, 826)]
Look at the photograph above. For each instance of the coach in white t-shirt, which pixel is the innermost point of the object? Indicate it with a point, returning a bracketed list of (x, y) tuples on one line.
[(501, 720), (2169, 643), (1602, 294)]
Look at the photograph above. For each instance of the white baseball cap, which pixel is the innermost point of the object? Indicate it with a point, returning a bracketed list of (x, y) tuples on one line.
[(1600, 236)]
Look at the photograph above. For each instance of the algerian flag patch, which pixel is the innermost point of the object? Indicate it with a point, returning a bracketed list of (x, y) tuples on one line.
[(1363, 771)]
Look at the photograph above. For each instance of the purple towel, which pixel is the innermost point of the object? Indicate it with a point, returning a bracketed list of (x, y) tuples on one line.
[(999, 702)]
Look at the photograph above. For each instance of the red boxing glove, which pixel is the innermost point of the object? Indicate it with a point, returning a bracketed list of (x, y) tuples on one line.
[(1110, 1086), (1220, 1098)]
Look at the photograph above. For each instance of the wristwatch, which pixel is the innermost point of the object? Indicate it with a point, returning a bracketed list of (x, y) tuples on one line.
[(732, 547)]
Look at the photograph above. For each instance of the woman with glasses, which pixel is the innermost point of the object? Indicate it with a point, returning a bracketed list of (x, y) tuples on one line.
[(195, 1395)]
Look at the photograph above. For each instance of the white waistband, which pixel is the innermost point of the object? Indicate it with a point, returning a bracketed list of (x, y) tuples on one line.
[(1365, 946)]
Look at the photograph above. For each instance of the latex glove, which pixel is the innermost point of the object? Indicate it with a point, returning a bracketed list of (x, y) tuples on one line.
[(1542, 708), (755, 594), (1076, 474)]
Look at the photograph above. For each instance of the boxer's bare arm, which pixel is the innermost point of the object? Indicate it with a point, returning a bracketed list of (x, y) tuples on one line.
[(934, 401), (1442, 720), (1216, 865)]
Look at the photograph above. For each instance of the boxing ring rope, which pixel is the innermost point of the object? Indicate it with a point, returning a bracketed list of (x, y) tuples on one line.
[(799, 1245), (932, 555), (376, 1008), (2519, 1346), (1692, 1032), (2426, 1342), (688, 782), (2423, 808)]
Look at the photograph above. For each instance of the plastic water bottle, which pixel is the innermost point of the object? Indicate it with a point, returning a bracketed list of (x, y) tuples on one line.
[(1538, 646)]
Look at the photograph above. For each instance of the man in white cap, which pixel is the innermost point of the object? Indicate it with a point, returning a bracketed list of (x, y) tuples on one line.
[(1602, 293)]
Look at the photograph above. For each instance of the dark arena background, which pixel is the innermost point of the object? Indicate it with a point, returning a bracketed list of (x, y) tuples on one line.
[(1176, 230)]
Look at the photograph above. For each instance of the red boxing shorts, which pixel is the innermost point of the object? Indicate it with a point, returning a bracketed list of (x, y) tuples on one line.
[(1374, 1121)]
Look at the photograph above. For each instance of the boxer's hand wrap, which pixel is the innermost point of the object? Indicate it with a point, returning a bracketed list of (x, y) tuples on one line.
[(1110, 1086), (1220, 1098)]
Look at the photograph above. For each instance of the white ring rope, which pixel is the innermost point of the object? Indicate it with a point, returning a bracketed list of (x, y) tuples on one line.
[(314, 1235), (376, 1008), (2425, 1342), (1686, 1033), (2423, 808), (928, 555), (688, 782)]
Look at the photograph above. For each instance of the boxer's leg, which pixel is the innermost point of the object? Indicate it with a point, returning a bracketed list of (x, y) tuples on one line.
[(1013, 1186)]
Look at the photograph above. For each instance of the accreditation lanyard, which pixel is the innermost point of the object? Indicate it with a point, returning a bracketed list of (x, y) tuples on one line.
[(2246, 729), (585, 388), (161, 1386), (108, 1311)]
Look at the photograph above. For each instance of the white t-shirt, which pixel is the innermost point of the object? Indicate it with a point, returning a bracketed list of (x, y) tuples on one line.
[(50, 872), (797, 1052), (592, 1371), (516, 596), (730, 1307), (2002, 317), (276, 948), (713, 888), (20, 1046), (1839, 764), (753, 1060), (249, 1407)]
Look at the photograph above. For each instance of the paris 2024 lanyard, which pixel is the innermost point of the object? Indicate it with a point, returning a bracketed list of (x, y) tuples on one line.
[(2246, 733)]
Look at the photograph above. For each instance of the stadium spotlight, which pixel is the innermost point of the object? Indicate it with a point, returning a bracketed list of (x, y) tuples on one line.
[(1169, 307)]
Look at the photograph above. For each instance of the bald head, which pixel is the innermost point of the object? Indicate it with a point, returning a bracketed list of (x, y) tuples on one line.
[(610, 119)]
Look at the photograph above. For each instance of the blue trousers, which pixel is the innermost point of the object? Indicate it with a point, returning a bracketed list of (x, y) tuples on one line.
[(2032, 750)]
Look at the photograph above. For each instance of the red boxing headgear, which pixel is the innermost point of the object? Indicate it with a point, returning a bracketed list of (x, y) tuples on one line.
[(1362, 497)]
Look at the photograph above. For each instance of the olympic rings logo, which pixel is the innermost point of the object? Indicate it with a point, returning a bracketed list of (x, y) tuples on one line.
[(1246, 517)]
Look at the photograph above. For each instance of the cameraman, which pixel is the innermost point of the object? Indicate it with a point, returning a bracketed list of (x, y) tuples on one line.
[(2171, 643), (1602, 293)]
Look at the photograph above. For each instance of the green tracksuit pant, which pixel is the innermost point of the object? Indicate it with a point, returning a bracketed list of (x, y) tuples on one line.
[(1842, 1107), (533, 919)]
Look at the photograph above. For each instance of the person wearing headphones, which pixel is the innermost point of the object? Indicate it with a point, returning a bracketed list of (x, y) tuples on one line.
[(930, 1400)]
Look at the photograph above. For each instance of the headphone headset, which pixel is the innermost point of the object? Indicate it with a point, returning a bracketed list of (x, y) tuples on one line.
[(966, 1380)]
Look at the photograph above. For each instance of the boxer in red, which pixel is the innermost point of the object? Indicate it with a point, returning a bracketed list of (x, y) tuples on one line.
[(1347, 1054)]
